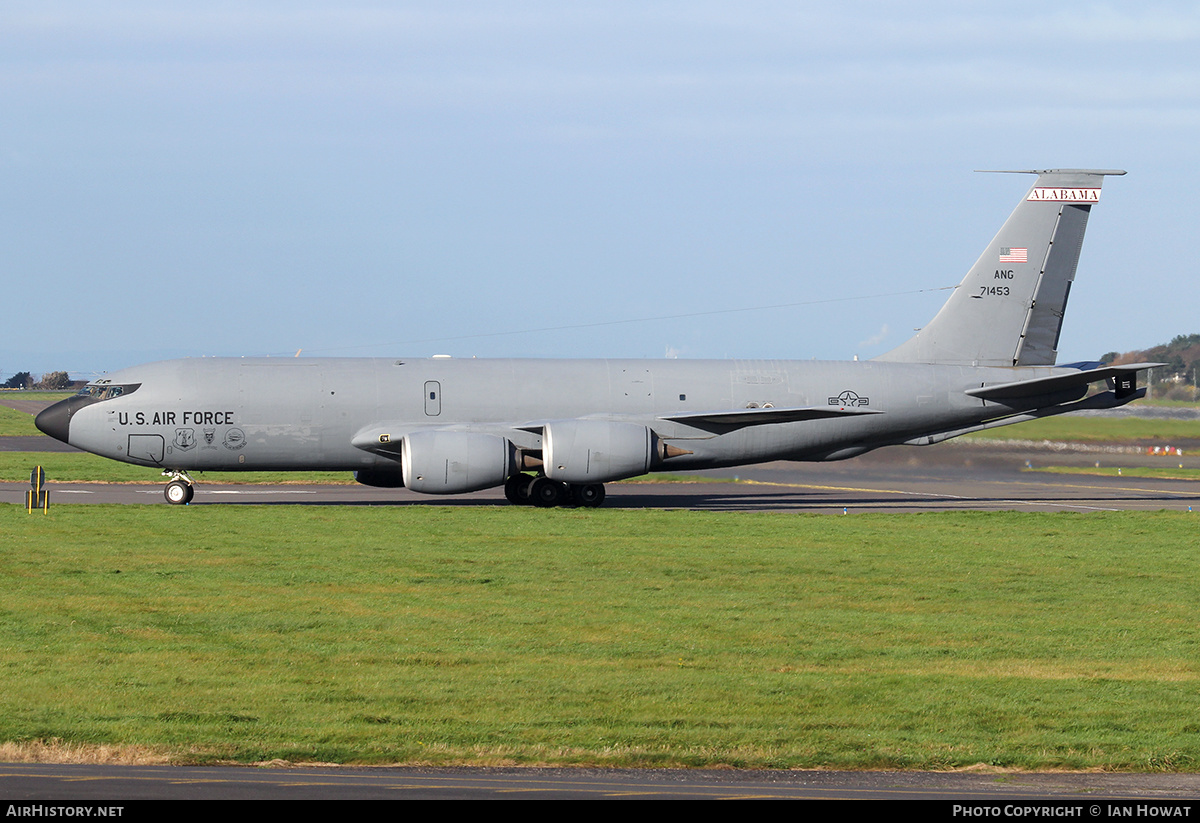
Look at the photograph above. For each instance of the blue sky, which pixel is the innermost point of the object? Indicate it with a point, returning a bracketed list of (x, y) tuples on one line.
[(516, 179)]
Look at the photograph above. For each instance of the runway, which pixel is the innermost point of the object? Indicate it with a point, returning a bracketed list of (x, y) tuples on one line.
[(1159, 793), (897, 480)]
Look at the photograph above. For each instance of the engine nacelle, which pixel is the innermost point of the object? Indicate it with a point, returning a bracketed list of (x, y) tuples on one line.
[(451, 462), (596, 451), (380, 478)]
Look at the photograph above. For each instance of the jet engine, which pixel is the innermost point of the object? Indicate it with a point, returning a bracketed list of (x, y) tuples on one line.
[(595, 451), (450, 462)]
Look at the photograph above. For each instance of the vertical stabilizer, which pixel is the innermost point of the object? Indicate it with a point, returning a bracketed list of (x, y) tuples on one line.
[(1008, 310)]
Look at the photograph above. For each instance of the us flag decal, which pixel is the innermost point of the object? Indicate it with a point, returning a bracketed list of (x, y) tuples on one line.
[(1014, 255)]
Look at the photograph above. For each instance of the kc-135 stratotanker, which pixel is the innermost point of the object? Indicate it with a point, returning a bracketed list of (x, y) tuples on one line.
[(553, 432)]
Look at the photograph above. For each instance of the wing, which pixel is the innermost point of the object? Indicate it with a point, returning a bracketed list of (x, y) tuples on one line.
[(740, 418), (1079, 381)]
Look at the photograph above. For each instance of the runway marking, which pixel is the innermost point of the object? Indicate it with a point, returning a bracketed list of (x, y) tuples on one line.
[(1059, 504), (947, 496), (234, 491), (847, 489), (254, 491), (1125, 489), (956, 496)]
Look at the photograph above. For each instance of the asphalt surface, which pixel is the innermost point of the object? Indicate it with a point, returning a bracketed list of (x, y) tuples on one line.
[(40, 443), (946, 477), (1093, 794)]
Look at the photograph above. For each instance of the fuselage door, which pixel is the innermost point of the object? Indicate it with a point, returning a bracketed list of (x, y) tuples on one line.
[(433, 398), (146, 448)]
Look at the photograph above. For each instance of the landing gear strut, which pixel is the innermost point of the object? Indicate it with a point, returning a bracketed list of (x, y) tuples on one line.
[(543, 492), (181, 489)]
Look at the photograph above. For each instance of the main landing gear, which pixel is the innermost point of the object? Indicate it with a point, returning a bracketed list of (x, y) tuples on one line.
[(181, 489), (526, 490)]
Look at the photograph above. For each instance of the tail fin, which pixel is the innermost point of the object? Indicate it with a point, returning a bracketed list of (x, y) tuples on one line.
[(1008, 310)]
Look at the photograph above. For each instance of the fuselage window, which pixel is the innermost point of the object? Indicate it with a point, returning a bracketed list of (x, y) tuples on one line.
[(106, 392)]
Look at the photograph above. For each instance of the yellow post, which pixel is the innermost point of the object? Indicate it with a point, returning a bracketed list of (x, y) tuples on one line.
[(37, 496)]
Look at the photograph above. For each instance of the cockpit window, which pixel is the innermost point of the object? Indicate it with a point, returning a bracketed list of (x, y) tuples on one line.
[(107, 391)]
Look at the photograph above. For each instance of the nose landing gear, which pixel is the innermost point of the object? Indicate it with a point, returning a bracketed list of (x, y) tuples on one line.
[(181, 489)]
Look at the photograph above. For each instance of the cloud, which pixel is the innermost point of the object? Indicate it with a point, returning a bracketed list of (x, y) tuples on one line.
[(874, 340)]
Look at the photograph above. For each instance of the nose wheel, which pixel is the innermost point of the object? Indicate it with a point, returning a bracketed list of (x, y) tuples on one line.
[(180, 490)]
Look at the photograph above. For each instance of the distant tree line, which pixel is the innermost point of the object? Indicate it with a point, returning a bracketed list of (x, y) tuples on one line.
[(1177, 379), (54, 381), (20, 380)]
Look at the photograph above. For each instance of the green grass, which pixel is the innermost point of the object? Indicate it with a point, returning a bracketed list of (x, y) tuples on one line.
[(15, 423), (1158, 472), (1170, 404), (1094, 429), (514, 635), (80, 467)]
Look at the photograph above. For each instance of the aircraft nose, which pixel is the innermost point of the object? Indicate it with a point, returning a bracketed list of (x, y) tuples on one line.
[(56, 420)]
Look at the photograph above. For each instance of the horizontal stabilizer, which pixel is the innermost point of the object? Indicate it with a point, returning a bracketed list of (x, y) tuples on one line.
[(758, 417), (1058, 383)]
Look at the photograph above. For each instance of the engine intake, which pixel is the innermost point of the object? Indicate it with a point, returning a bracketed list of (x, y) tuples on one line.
[(596, 451), (451, 462)]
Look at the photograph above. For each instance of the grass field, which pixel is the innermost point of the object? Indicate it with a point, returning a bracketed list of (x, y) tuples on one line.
[(515, 635), (14, 423), (80, 467), (1162, 473), (1070, 428)]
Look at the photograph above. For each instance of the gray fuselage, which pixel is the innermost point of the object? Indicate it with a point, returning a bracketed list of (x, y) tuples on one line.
[(296, 414)]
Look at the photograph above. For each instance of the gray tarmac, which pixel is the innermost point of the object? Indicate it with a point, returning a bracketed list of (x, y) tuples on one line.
[(1091, 795), (946, 477), (39, 443)]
